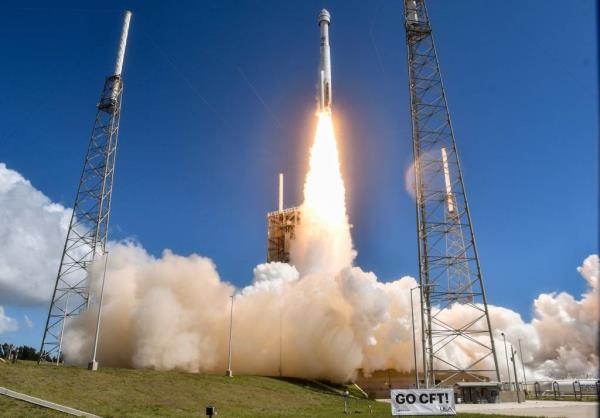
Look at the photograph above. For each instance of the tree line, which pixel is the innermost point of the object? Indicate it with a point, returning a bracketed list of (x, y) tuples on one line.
[(23, 352)]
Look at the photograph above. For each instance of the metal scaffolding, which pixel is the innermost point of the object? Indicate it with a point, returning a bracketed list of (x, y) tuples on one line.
[(449, 267), (88, 229), (281, 229)]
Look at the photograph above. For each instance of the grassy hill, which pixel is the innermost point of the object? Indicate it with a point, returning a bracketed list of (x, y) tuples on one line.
[(146, 393)]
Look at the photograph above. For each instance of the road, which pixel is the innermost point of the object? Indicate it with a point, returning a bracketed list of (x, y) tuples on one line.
[(548, 409)]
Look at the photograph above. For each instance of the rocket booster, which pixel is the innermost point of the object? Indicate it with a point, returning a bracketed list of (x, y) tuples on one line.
[(324, 89)]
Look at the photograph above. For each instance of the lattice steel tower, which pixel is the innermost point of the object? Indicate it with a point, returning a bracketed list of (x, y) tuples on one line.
[(448, 263), (88, 229)]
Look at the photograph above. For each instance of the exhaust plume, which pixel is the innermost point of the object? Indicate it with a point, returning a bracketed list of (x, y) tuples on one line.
[(323, 241)]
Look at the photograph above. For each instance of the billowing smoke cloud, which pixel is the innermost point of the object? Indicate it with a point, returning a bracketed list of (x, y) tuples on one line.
[(172, 312), (32, 235), (320, 318), (562, 339)]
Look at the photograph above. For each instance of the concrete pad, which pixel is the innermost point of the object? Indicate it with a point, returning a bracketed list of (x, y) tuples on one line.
[(567, 409)]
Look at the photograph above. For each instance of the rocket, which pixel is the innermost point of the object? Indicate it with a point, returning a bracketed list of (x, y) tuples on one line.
[(324, 89)]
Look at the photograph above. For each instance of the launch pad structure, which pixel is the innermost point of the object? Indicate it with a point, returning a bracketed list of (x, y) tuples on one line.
[(88, 229), (281, 226), (449, 268)]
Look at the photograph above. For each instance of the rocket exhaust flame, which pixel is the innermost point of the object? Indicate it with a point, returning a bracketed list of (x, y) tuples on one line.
[(324, 192), (323, 238)]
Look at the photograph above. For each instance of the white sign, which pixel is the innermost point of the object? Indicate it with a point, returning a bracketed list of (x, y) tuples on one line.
[(408, 402)]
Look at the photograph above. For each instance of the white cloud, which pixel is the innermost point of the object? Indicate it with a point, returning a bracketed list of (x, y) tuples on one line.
[(7, 323), (28, 321), (32, 234)]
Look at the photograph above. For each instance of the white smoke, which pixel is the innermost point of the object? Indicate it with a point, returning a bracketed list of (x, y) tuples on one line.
[(562, 339), (173, 313)]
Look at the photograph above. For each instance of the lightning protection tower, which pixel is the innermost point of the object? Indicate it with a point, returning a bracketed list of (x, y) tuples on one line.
[(88, 229), (448, 262)]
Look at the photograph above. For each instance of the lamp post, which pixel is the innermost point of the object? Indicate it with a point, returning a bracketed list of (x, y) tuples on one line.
[(281, 339), (62, 331), (522, 364), (412, 315), (512, 358), (228, 372), (93, 365), (507, 366)]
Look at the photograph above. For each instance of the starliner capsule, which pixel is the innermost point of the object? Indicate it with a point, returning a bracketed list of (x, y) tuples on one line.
[(324, 89)]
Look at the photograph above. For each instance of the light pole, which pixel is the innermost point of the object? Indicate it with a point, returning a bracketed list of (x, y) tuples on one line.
[(512, 358), (228, 372), (412, 315), (522, 364), (281, 329), (93, 365), (62, 330), (507, 366)]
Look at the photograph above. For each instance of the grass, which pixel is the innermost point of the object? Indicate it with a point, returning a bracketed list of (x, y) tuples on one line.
[(18, 409), (147, 393)]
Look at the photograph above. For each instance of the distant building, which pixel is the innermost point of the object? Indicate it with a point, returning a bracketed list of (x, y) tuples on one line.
[(468, 388), (480, 392)]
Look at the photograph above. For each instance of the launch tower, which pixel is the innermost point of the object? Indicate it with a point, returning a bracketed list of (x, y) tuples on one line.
[(448, 262), (88, 229), (281, 225)]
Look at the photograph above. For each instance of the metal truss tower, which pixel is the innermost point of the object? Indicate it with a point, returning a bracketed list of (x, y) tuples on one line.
[(88, 229), (449, 267), (281, 229)]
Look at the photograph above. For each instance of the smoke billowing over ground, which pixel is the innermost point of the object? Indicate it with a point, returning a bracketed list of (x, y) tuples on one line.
[(321, 318)]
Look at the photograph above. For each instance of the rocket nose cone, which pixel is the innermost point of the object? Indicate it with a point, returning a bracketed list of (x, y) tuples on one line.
[(323, 16)]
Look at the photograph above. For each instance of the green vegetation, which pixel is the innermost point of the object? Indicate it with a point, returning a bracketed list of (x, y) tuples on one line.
[(18, 409), (147, 393), (23, 352)]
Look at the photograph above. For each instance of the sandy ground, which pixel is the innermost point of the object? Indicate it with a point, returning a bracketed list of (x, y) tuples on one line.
[(536, 409)]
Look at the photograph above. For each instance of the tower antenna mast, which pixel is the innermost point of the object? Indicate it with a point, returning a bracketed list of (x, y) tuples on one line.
[(449, 269), (88, 229)]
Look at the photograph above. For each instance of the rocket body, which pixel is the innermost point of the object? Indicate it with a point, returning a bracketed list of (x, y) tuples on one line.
[(324, 86)]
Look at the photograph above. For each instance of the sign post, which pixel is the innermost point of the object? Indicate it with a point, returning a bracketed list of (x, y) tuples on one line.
[(411, 402)]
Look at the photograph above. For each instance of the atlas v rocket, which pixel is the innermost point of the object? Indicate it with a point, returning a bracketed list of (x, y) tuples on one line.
[(324, 89)]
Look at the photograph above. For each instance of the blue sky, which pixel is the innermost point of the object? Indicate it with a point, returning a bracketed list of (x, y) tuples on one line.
[(219, 97)]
